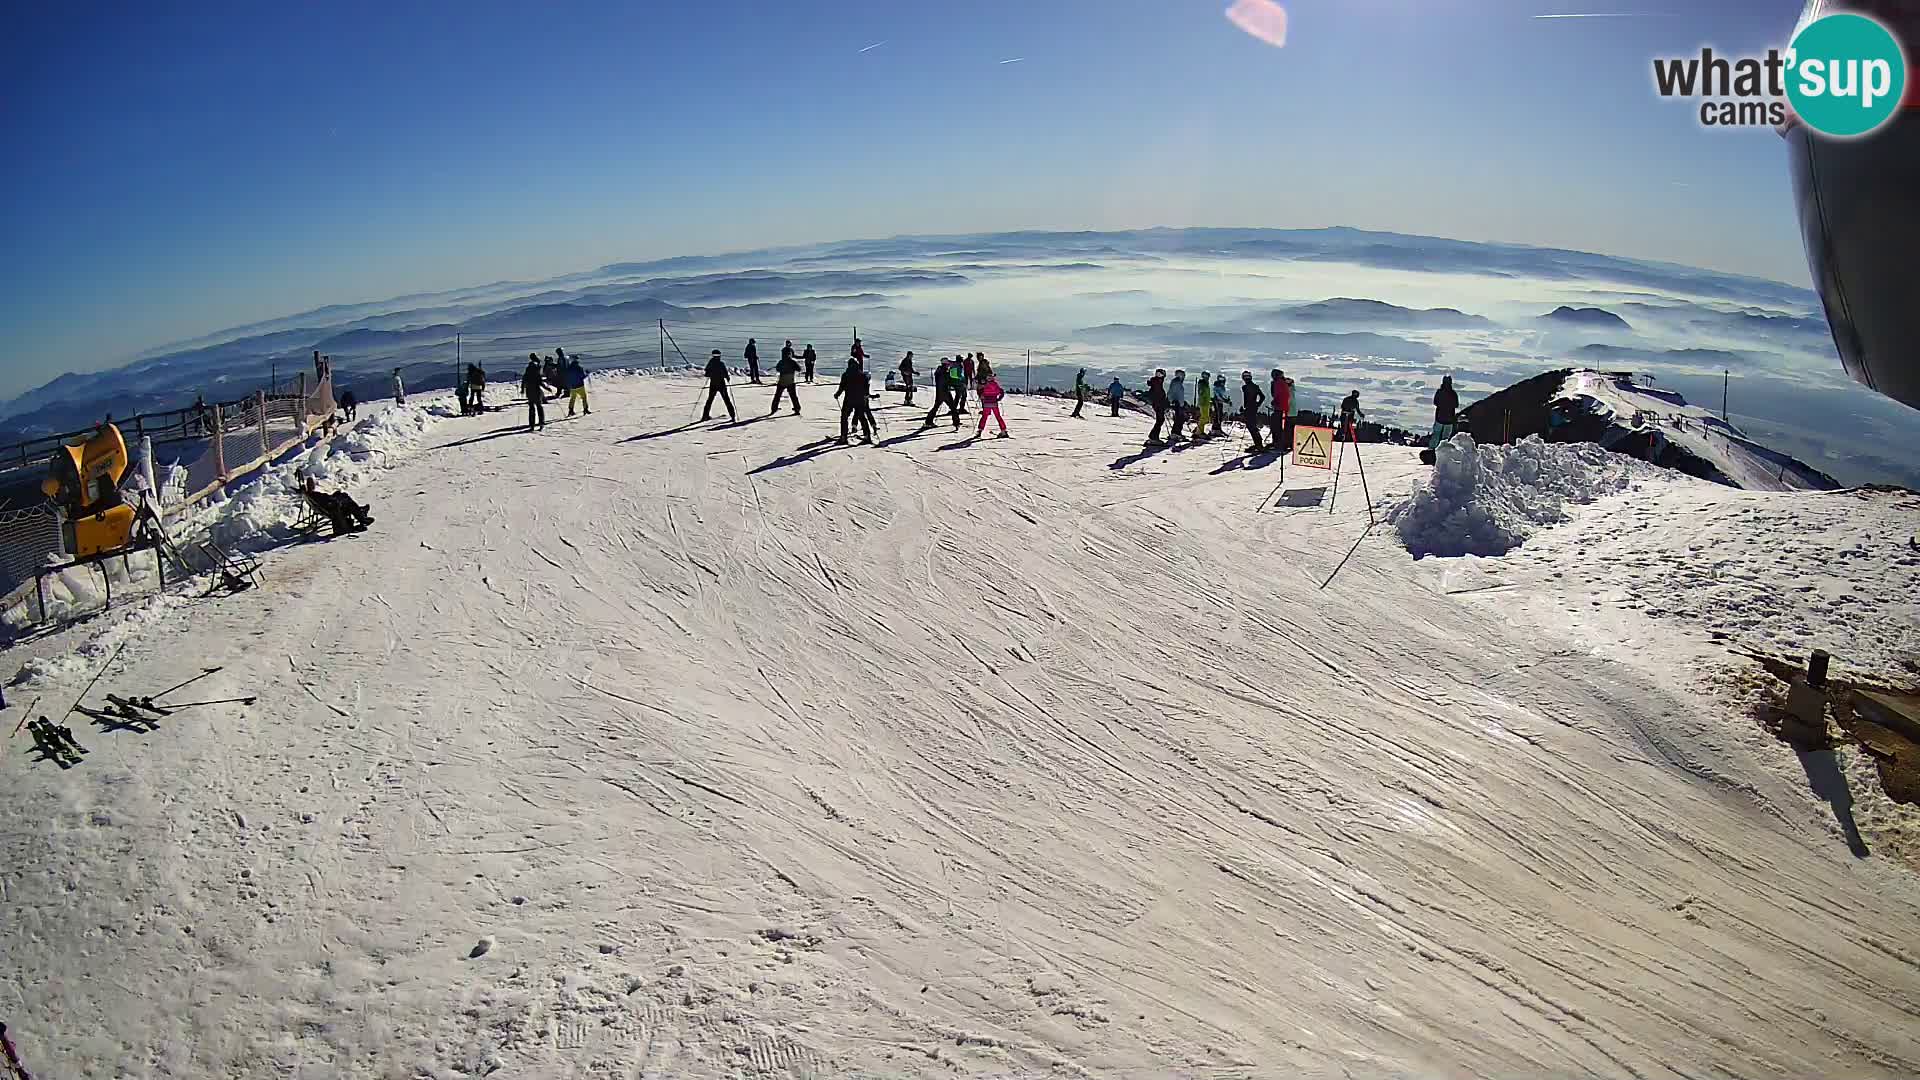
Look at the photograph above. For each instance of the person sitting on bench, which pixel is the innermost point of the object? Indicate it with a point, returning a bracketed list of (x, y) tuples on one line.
[(337, 507)]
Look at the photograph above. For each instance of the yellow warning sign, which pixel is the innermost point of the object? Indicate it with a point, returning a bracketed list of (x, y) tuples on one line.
[(1313, 447)]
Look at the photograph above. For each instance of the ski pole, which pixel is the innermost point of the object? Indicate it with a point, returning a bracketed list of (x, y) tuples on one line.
[(204, 672), (23, 717), (90, 682), (216, 701)]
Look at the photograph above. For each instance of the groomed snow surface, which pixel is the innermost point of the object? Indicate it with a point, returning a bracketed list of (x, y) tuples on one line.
[(645, 748)]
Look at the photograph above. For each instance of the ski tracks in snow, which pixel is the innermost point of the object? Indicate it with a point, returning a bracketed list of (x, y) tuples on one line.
[(867, 764)]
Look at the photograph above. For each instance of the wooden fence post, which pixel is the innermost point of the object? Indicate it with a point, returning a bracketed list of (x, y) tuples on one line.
[(300, 410), (220, 442)]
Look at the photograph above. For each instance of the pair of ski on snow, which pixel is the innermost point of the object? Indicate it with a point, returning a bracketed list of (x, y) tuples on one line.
[(56, 742), (144, 714)]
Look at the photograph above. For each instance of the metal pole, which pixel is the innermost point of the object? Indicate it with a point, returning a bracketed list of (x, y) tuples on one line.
[(663, 343), (1353, 436), (1029, 371), (1725, 385), (1339, 460)]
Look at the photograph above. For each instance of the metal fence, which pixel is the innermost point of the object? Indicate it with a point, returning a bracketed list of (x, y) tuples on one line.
[(191, 453)]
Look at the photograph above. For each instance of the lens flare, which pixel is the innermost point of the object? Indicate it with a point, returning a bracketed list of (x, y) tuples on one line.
[(1263, 19)]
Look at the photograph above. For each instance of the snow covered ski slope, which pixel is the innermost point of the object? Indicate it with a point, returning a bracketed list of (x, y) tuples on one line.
[(641, 748)]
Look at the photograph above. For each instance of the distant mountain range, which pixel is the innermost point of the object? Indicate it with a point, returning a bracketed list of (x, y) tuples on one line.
[(1151, 289)]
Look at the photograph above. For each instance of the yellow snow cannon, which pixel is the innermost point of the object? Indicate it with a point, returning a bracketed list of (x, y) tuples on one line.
[(84, 478)]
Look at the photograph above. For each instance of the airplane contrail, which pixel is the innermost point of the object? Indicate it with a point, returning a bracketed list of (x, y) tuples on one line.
[(1015, 60), (873, 46)]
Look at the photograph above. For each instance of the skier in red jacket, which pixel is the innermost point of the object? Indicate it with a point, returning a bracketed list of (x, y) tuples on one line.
[(1282, 397)]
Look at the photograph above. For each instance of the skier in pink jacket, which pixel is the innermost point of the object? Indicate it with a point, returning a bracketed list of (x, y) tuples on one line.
[(990, 395)]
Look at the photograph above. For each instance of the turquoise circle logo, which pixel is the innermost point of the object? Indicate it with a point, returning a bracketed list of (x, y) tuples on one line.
[(1847, 74)]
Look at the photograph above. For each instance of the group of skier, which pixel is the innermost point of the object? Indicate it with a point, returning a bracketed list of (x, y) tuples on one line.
[(1212, 404), (558, 373), (1265, 410), (953, 379), (802, 362), (561, 372)]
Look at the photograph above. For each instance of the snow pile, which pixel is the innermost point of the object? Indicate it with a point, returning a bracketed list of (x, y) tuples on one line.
[(251, 517), (263, 512), (74, 592), (42, 672), (1486, 500)]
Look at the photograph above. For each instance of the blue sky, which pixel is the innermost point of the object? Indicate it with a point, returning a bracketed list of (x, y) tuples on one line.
[(175, 172)]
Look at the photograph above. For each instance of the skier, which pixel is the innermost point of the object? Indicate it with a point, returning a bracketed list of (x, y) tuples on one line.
[(958, 388), (786, 353), (1204, 405), (784, 372), (966, 380), (1157, 397), (1250, 399), (576, 377), (1281, 396), (906, 374), (1446, 413), (990, 395), (1349, 411), (1079, 393), (530, 385), (717, 387), (810, 357), (399, 388), (476, 388), (753, 361), (1177, 400), (854, 387), (1115, 392), (349, 405), (1220, 397), (944, 381), (550, 374)]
